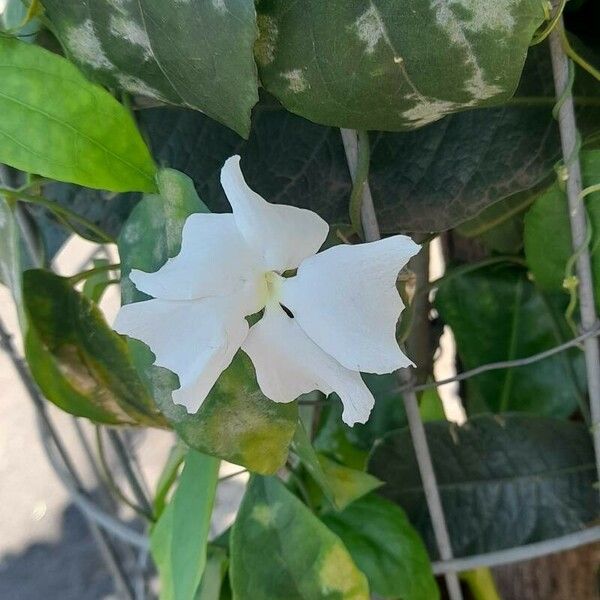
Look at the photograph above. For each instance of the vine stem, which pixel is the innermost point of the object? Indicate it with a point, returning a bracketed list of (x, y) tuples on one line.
[(94, 271), (417, 430), (579, 226), (61, 212)]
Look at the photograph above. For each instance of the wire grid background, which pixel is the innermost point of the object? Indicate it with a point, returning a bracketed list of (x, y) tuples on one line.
[(131, 575)]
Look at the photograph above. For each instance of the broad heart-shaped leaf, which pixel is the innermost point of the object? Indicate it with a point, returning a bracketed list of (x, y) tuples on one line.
[(195, 54), (386, 547), (341, 485), (392, 64), (497, 314), (430, 179), (78, 362), (548, 219), (279, 549), (505, 480), (236, 422), (77, 133), (180, 537)]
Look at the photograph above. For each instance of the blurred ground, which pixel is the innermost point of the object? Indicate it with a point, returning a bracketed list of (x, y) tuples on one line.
[(46, 549)]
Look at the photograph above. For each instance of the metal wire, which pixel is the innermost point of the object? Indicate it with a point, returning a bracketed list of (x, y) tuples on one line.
[(520, 553), (371, 231), (570, 142), (503, 364)]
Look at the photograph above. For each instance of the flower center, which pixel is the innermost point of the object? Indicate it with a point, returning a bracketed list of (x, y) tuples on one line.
[(273, 283)]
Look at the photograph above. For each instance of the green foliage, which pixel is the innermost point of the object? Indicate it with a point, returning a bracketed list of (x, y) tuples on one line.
[(505, 480), (429, 179), (350, 445), (236, 422), (548, 219), (77, 360), (340, 485), (213, 583), (95, 285), (279, 549), (194, 54), (404, 64), (408, 71), (10, 252), (386, 548), (497, 314), (168, 476), (79, 133), (179, 538)]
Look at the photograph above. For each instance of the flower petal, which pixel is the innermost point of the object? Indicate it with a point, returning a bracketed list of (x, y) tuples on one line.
[(345, 299), (214, 261), (197, 340), (284, 235), (288, 364)]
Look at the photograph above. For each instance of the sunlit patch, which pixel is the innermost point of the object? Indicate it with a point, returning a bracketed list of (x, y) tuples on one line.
[(296, 81), (370, 29), (337, 573), (266, 515), (129, 30), (86, 46)]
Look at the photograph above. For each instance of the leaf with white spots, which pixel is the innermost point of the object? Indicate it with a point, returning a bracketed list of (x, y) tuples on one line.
[(389, 64), (429, 179), (280, 549), (194, 54)]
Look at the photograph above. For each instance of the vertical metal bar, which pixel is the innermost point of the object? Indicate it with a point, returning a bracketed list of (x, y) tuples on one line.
[(415, 424), (578, 219)]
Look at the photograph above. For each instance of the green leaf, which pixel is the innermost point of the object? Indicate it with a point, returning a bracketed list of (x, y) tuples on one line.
[(106, 210), (505, 480), (195, 54), (500, 226), (548, 219), (497, 314), (236, 422), (340, 485), (403, 64), (429, 179), (95, 285), (168, 476), (179, 539), (350, 445), (431, 407), (10, 252), (279, 549), (213, 581), (78, 361), (386, 548), (79, 133)]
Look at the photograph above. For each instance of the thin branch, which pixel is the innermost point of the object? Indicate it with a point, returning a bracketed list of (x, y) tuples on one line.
[(232, 475), (86, 274)]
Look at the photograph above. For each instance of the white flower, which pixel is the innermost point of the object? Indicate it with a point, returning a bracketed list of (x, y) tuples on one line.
[(344, 303)]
